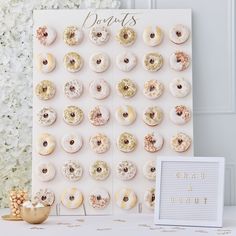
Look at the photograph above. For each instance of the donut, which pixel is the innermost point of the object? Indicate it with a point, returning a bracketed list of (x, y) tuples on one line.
[(125, 198), (153, 89), (99, 35), (180, 115), (99, 143), (179, 61), (46, 116), (180, 142), (45, 90), (126, 170), (46, 172), (73, 35), (71, 198), (72, 170), (126, 36), (153, 142), (179, 87), (149, 198), (44, 196), (46, 62), (126, 142), (152, 36), (149, 170), (125, 115), (126, 61), (73, 115), (99, 170), (179, 34), (153, 116), (73, 62), (46, 35), (73, 88), (99, 198), (46, 144), (71, 143), (126, 88), (99, 89), (98, 116), (152, 61), (99, 62)]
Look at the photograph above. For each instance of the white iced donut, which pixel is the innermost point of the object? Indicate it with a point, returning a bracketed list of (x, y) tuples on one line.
[(152, 61), (44, 196), (125, 198), (99, 198), (179, 87), (99, 89), (73, 35), (72, 170), (153, 89), (46, 62), (180, 142), (46, 35), (46, 144), (126, 170), (149, 198), (73, 62), (99, 115), (179, 34), (126, 61), (71, 198), (73, 115), (71, 143), (152, 36), (46, 172), (99, 35), (153, 116), (99, 143), (73, 88), (179, 61), (99, 62), (125, 115), (149, 170), (153, 142), (180, 115), (99, 170), (46, 116)]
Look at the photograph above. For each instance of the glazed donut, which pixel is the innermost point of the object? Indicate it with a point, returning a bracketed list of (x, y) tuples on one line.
[(45, 90), (46, 144), (126, 88), (99, 170), (46, 62), (99, 143), (152, 61), (99, 89), (73, 88), (126, 61), (179, 34), (126, 36), (73, 115), (99, 35), (179, 87), (126, 170), (46, 116), (46, 35), (180, 115), (125, 115), (153, 142), (44, 196), (46, 172), (99, 198), (152, 36), (73, 62), (153, 89), (179, 61), (71, 143), (72, 170), (149, 170), (126, 142), (153, 116), (180, 142), (71, 198), (125, 198), (73, 35), (98, 116), (99, 62), (149, 198)]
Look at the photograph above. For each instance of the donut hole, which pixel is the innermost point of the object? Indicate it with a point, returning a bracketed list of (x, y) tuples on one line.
[(151, 115), (125, 169), (178, 60), (99, 115), (99, 88), (125, 36), (99, 169), (45, 34), (99, 142), (72, 88), (72, 114), (125, 114), (153, 169), (45, 115), (153, 141), (151, 88), (153, 197), (71, 198), (151, 61), (152, 35), (98, 61), (72, 142), (179, 86), (180, 141), (45, 143), (125, 199), (99, 197), (43, 198), (99, 34), (179, 113), (72, 61), (44, 88), (178, 33), (126, 87), (45, 62), (71, 169), (126, 60), (72, 35), (44, 170), (126, 141)]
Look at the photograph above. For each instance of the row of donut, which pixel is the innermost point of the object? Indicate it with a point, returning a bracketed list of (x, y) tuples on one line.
[(100, 89), (100, 35), (126, 61), (72, 198), (100, 143)]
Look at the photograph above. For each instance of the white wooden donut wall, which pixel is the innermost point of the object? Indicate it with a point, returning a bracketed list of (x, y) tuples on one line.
[(114, 20)]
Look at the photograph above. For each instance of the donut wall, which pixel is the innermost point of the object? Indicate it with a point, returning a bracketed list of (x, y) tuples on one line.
[(112, 92)]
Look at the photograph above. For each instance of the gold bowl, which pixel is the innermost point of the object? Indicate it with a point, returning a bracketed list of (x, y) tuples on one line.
[(35, 215)]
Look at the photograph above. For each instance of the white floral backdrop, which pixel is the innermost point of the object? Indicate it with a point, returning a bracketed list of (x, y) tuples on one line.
[(16, 86)]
